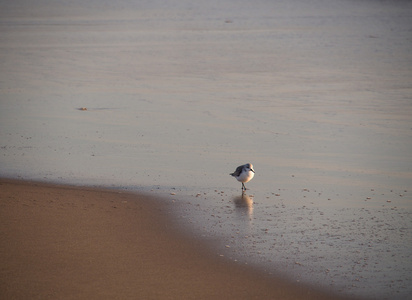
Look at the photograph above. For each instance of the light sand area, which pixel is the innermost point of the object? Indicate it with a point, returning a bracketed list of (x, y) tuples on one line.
[(62, 242)]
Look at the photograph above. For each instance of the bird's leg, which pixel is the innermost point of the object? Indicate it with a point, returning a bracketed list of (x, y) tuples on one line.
[(243, 187)]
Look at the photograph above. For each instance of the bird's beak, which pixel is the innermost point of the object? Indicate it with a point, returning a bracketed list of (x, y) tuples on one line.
[(252, 170)]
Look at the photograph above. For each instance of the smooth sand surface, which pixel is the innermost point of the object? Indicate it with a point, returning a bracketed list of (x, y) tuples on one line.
[(60, 242), (316, 94)]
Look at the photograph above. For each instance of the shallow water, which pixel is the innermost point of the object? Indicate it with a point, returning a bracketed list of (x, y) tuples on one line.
[(316, 94)]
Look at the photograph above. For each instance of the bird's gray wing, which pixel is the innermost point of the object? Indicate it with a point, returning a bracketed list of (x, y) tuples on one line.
[(238, 171)]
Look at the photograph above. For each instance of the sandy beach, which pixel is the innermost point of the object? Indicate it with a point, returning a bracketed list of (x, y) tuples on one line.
[(61, 242), (166, 99)]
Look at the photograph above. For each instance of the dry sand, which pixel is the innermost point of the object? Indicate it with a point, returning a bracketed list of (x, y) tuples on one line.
[(60, 242)]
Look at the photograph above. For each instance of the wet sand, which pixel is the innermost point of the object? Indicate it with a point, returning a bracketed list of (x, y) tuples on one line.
[(62, 242), (316, 94)]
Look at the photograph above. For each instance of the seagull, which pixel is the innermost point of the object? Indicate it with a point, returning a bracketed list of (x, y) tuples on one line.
[(244, 174)]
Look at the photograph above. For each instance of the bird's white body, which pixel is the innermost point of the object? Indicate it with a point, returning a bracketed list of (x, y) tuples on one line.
[(244, 174)]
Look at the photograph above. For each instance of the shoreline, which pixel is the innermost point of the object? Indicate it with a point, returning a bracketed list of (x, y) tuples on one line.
[(67, 242)]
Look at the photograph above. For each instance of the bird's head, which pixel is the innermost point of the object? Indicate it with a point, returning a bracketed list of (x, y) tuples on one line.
[(250, 167)]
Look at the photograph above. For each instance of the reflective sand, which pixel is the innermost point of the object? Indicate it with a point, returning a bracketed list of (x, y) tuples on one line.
[(316, 95)]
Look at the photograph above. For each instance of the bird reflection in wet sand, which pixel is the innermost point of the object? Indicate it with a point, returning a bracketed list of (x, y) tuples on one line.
[(244, 203)]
